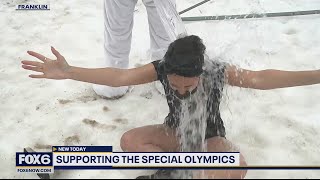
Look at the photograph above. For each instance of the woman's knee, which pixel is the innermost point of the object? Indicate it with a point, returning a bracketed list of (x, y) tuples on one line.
[(134, 138), (224, 174), (127, 140), (157, 135), (238, 174), (244, 164), (220, 144)]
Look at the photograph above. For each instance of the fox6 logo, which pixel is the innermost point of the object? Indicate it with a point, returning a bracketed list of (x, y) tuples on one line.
[(34, 159)]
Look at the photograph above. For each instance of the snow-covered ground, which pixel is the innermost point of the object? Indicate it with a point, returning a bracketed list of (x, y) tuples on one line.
[(276, 127)]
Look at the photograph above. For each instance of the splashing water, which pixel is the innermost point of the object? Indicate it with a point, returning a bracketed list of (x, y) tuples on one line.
[(192, 127), (196, 117), (194, 112)]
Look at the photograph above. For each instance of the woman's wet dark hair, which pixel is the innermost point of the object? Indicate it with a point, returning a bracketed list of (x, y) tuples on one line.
[(185, 57)]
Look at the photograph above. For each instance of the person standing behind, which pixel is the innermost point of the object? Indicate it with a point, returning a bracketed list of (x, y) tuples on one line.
[(118, 24)]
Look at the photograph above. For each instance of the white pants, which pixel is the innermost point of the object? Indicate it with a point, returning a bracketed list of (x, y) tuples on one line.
[(118, 17)]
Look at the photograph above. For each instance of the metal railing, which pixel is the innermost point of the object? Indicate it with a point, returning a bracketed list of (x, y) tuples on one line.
[(242, 16)]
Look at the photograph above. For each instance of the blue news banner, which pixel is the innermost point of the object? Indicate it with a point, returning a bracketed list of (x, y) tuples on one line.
[(102, 157)]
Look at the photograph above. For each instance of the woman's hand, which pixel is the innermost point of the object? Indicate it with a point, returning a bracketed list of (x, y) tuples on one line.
[(51, 69)]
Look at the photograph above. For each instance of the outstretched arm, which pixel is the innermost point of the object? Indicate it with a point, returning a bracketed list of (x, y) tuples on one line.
[(60, 69), (270, 79)]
